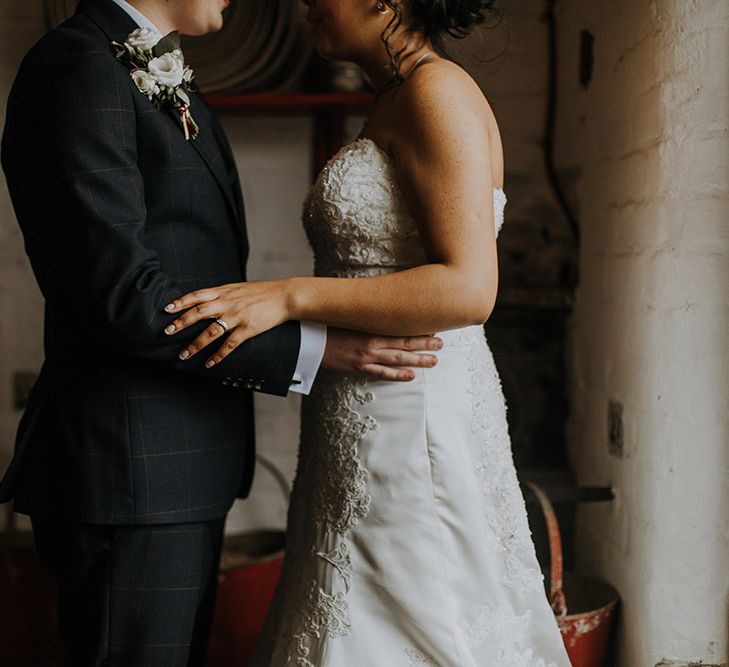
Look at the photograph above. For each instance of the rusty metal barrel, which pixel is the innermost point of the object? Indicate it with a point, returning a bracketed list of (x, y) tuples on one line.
[(584, 607)]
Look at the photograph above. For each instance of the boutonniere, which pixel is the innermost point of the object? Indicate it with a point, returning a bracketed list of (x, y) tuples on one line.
[(159, 72)]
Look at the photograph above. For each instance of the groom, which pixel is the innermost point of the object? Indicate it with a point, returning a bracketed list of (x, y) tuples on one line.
[(128, 459)]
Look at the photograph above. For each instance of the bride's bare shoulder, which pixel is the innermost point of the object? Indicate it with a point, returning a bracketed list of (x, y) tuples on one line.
[(440, 100), (445, 75)]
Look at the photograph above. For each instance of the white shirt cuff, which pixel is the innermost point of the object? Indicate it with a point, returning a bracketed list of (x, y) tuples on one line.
[(311, 352)]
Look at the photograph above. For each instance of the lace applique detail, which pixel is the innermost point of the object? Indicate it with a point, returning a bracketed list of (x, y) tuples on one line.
[(340, 495), (506, 514), (334, 483), (324, 614), (507, 635), (357, 218), (341, 561), (419, 659), (497, 626)]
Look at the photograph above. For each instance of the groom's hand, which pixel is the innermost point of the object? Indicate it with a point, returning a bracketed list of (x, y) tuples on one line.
[(384, 357)]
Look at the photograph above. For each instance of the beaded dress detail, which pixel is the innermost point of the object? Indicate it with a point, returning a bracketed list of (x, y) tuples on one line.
[(407, 540)]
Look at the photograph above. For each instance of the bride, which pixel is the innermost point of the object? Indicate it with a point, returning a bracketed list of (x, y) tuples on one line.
[(407, 537)]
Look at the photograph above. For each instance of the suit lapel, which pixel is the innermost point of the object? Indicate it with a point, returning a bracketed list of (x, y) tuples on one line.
[(116, 24), (233, 178), (207, 148), (225, 151)]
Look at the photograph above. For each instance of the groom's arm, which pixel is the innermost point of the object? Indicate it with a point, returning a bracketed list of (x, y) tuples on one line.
[(70, 148)]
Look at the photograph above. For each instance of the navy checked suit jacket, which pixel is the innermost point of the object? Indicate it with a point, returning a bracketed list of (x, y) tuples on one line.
[(120, 215)]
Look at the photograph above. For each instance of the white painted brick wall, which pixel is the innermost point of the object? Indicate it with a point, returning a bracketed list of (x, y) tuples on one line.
[(651, 139)]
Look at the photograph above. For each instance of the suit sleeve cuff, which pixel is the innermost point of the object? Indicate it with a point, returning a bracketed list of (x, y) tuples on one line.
[(311, 352)]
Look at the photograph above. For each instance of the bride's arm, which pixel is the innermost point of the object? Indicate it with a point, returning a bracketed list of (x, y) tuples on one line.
[(443, 162)]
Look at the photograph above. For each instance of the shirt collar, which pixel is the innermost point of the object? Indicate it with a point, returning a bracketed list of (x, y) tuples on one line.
[(141, 20)]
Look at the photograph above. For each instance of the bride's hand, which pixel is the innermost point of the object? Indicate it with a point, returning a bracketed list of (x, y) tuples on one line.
[(246, 309)]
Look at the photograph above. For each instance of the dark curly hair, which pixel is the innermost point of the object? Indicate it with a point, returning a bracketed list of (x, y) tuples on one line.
[(435, 20)]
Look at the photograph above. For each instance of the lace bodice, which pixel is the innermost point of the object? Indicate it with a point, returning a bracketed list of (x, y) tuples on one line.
[(357, 218)]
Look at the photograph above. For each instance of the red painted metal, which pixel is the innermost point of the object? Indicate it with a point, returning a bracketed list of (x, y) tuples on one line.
[(584, 608), (250, 570)]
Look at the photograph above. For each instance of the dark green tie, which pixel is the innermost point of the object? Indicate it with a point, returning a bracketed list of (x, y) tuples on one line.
[(168, 43)]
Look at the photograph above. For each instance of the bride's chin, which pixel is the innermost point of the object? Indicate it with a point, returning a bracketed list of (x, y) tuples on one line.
[(324, 50)]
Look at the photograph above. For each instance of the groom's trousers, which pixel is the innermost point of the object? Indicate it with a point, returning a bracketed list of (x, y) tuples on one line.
[(133, 596)]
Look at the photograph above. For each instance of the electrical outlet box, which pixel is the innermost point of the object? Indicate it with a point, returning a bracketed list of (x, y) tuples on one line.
[(616, 433)]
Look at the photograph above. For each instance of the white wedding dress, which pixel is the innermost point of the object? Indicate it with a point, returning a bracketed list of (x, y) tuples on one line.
[(407, 539)]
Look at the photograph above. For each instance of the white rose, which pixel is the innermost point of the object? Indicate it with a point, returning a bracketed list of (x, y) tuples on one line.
[(144, 38), (168, 69), (146, 83)]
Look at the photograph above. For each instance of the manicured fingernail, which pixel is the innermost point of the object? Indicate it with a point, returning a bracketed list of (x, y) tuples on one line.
[(184, 355), (170, 307), (438, 343), (210, 364), (170, 329), (432, 360)]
